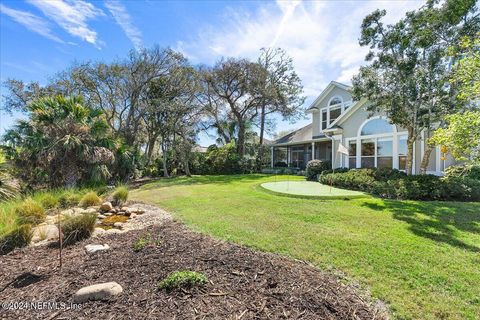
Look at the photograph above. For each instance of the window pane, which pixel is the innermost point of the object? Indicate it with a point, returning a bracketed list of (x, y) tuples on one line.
[(368, 162), (384, 148), (352, 162), (368, 148), (352, 148), (334, 114), (335, 101), (402, 146), (376, 126), (384, 162), (324, 124), (402, 162)]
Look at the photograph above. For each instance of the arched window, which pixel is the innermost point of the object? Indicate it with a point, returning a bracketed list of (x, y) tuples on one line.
[(376, 126), (334, 101)]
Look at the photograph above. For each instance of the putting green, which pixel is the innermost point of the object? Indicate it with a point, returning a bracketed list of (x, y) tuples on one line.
[(310, 189)]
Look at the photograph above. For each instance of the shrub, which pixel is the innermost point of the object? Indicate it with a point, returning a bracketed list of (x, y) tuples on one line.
[(280, 164), (90, 199), (77, 228), (355, 179), (30, 212), (182, 279), (316, 167), (385, 174), (120, 195), (16, 238), (49, 201), (460, 188), (469, 170), (142, 242), (69, 199)]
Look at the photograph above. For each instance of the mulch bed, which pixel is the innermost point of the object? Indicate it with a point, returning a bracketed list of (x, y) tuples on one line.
[(243, 283)]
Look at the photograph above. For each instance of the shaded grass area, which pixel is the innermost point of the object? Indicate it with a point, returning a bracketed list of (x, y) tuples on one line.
[(421, 258)]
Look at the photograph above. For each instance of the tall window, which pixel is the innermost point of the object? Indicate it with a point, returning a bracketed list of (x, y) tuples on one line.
[(368, 153), (324, 119), (335, 113), (352, 154), (377, 146), (402, 152), (384, 153)]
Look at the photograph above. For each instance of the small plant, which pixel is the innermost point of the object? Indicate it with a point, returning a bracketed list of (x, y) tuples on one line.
[(316, 167), (16, 238), (30, 212), (142, 242), (90, 199), (49, 201), (69, 199), (182, 279), (77, 228), (120, 195)]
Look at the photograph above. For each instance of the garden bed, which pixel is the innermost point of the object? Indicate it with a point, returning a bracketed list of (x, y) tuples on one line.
[(242, 283)]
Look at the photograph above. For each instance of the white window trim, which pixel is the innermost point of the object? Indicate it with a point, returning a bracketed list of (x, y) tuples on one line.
[(340, 105)]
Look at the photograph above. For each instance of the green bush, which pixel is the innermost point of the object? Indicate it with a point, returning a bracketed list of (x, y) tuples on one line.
[(69, 199), (30, 212), (49, 201), (316, 167), (120, 195), (182, 279), (385, 174), (77, 228), (90, 199), (355, 179), (469, 171), (19, 237)]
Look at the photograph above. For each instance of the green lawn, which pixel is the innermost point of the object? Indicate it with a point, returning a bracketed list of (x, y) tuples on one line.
[(421, 258)]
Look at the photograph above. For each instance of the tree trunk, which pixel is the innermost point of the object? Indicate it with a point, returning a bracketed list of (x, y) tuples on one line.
[(426, 159), (151, 146), (241, 139), (164, 160), (187, 168), (262, 124), (410, 141)]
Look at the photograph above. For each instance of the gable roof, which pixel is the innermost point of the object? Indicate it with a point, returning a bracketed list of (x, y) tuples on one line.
[(300, 135), (325, 92)]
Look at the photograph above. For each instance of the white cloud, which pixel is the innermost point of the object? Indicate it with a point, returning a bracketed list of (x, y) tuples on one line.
[(122, 17), (320, 36), (72, 16), (31, 22)]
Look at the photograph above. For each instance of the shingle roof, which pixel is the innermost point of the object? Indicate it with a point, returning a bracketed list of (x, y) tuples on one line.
[(302, 134)]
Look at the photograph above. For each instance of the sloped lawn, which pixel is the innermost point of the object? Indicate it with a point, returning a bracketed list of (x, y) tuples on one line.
[(421, 258)]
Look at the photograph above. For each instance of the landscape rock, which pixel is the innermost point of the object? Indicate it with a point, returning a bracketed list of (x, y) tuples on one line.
[(90, 210), (107, 214), (133, 215), (92, 248), (101, 291), (113, 210), (98, 231), (118, 224), (101, 216), (124, 209), (113, 230), (106, 206), (45, 232)]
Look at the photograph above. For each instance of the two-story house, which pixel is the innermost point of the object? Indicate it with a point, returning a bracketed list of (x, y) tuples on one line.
[(370, 139)]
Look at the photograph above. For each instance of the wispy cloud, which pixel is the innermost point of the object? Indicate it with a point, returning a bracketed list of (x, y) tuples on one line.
[(123, 18), (72, 16), (321, 36), (31, 22)]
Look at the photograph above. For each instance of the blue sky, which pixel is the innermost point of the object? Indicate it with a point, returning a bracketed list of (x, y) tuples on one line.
[(41, 37)]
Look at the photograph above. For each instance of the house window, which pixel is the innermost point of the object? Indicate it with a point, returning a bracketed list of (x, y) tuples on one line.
[(402, 152), (324, 119), (352, 154), (376, 126), (384, 153), (368, 153), (335, 113), (334, 101)]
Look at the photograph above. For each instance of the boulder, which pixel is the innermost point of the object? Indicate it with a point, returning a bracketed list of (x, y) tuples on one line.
[(107, 214), (92, 248), (101, 216), (101, 291), (118, 224), (45, 232), (124, 209), (113, 210), (106, 206), (98, 231)]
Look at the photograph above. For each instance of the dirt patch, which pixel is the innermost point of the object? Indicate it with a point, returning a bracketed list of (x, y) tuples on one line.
[(242, 283)]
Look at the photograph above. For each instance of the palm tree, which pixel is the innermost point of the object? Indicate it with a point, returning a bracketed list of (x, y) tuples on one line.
[(63, 143)]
